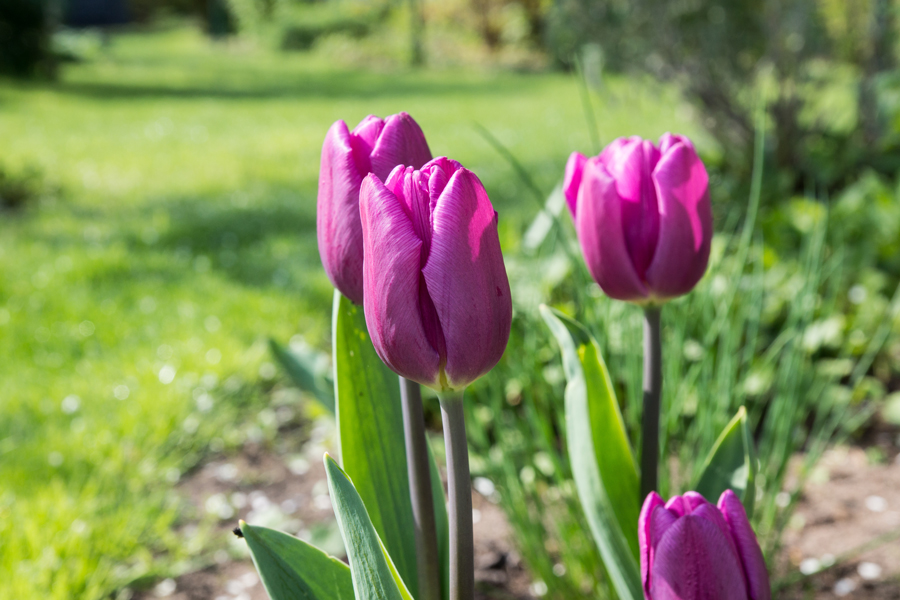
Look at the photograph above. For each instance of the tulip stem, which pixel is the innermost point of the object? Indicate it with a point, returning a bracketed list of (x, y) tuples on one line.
[(462, 548), (652, 388), (417, 464)]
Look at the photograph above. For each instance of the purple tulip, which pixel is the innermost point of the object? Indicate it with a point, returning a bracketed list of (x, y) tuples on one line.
[(437, 299), (643, 217), (692, 550), (375, 146)]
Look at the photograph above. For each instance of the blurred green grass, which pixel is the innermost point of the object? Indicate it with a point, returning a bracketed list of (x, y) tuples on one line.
[(177, 235)]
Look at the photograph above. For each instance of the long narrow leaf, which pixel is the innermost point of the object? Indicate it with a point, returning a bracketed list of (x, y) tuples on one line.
[(303, 374), (370, 429), (601, 458), (731, 464), (290, 568), (373, 573)]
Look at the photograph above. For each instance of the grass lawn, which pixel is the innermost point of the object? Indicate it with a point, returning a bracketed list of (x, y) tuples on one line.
[(135, 302)]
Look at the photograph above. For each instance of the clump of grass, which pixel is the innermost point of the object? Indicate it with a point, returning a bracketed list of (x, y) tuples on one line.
[(19, 189), (756, 332)]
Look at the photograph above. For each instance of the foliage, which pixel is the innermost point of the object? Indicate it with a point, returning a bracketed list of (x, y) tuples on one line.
[(25, 38), (758, 331), (19, 189), (803, 58)]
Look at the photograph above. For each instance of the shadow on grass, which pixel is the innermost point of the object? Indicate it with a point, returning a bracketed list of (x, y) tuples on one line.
[(244, 83), (267, 242), (270, 243)]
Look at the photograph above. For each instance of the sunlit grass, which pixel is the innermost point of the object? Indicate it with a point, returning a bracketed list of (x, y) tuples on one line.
[(183, 234)]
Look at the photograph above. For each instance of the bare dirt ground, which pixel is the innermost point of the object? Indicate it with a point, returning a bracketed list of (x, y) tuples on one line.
[(291, 494), (848, 517), (849, 501)]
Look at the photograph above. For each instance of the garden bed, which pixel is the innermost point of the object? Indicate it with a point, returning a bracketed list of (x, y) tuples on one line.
[(850, 500)]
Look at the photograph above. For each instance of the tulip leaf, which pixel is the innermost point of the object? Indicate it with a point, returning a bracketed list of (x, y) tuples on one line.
[(373, 572), (290, 568), (731, 464), (302, 371), (370, 430), (602, 461)]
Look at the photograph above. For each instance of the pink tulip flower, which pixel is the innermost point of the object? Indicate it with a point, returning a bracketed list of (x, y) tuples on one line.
[(643, 217), (692, 550), (374, 146), (437, 299)]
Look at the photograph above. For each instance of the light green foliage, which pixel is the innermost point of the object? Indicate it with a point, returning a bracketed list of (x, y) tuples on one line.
[(374, 574), (769, 327), (731, 464), (303, 371), (290, 568), (370, 428), (602, 464)]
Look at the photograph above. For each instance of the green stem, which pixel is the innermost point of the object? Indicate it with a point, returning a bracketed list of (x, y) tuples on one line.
[(462, 550), (652, 388), (417, 464)]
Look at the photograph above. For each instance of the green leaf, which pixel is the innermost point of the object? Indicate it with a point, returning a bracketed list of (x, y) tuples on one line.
[(731, 464), (370, 430), (602, 462), (302, 371), (292, 569), (373, 573)]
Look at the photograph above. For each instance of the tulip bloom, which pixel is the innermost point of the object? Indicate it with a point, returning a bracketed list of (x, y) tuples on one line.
[(643, 217), (436, 299), (374, 146), (692, 550)]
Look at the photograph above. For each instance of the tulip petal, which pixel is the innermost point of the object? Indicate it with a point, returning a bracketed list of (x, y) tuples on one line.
[(572, 180), (651, 502), (661, 520), (391, 274), (747, 546), (631, 167), (686, 503), (712, 514), (401, 142), (669, 140), (467, 280), (599, 224), (363, 139), (338, 228), (685, 223), (694, 561)]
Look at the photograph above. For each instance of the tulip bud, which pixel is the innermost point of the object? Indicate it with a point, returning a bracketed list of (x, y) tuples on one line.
[(692, 550), (375, 146), (436, 299), (643, 217)]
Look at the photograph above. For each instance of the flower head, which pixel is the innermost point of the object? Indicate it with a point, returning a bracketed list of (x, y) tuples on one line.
[(374, 146), (437, 298), (693, 550), (643, 217)]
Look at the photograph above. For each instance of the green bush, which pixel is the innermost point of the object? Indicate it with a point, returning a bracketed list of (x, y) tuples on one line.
[(819, 65)]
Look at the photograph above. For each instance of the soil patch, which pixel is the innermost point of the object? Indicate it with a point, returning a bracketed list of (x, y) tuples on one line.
[(849, 501)]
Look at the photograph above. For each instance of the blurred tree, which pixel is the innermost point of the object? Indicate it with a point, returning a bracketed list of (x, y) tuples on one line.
[(96, 13), (416, 33), (491, 16), (725, 53), (25, 49)]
